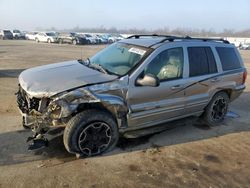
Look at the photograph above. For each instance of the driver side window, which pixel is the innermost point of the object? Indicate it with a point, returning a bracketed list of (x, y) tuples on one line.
[(168, 65)]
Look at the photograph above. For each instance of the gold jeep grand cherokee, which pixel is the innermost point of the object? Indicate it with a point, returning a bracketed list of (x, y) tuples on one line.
[(131, 85)]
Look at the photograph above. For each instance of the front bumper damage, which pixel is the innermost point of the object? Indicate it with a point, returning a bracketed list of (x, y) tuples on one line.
[(41, 114)]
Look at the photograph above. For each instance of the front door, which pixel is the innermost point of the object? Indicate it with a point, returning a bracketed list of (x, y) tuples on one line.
[(152, 105)]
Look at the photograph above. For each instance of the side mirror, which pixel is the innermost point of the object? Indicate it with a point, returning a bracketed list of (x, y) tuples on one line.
[(148, 80)]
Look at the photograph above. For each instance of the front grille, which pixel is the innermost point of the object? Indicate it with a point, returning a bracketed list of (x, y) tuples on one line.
[(26, 104)]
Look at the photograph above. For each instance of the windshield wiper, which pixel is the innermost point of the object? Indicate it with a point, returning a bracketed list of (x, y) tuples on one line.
[(98, 67), (95, 66)]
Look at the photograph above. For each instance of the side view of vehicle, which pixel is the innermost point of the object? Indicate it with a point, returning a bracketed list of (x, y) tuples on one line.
[(90, 39), (244, 46), (130, 86), (31, 35), (48, 37), (71, 38), (17, 34), (6, 34)]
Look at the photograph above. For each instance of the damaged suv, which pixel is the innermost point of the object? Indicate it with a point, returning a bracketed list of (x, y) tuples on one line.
[(131, 85)]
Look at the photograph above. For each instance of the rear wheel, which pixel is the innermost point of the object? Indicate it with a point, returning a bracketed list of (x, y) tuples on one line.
[(90, 133), (74, 42), (216, 110), (36, 39), (60, 41)]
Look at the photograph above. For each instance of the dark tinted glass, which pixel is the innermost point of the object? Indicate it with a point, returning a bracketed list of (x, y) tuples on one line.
[(201, 61), (228, 58), (211, 61)]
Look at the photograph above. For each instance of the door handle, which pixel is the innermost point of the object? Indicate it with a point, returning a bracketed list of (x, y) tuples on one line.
[(176, 87)]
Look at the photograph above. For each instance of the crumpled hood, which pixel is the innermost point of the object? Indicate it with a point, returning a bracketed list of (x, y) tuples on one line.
[(48, 80)]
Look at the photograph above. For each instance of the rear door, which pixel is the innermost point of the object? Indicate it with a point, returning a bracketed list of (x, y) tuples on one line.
[(153, 105), (203, 77)]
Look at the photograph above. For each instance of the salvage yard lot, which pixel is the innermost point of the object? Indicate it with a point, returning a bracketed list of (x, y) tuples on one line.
[(189, 155)]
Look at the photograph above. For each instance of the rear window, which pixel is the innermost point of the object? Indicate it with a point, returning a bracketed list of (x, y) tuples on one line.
[(201, 61), (228, 58), (6, 32)]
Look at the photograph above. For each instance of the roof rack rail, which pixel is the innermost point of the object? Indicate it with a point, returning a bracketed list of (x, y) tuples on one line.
[(149, 35), (171, 38)]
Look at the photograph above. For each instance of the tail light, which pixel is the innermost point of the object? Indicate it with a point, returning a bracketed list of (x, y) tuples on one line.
[(244, 77)]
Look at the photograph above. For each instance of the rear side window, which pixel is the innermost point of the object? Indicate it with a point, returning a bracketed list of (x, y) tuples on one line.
[(228, 58), (201, 61)]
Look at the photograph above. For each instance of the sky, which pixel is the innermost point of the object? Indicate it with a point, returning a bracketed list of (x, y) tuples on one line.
[(125, 14)]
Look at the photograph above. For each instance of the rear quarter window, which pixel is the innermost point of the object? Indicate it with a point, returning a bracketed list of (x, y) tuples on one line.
[(228, 57)]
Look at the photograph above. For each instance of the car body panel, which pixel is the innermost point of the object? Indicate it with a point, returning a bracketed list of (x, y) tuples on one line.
[(51, 79)]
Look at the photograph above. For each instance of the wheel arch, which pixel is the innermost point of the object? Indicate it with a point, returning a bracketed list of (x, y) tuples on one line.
[(116, 108)]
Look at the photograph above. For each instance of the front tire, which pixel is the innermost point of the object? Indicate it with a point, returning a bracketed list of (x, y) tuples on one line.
[(60, 41), (216, 110), (74, 42), (49, 41), (90, 133)]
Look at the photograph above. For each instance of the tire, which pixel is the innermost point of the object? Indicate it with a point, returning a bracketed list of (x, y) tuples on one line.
[(60, 41), (216, 110), (37, 40), (74, 42), (49, 41), (95, 130)]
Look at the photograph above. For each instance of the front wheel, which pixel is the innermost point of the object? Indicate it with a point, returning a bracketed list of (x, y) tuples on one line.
[(49, 41), (74, 42), (90, 133), (216, 110), (60, 41)]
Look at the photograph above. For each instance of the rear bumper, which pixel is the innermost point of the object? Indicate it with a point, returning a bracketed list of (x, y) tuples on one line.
[(237, 92)]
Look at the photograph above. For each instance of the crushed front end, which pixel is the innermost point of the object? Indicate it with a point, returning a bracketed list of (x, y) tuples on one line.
[(32, 110)]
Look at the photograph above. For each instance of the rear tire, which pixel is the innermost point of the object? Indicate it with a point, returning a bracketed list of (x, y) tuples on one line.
[(74, 42), (60, 41), (37, 40), (90, 133), (216, 110)]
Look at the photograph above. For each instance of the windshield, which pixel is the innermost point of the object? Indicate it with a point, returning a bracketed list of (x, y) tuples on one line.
[(119, 58), (50, 34), (7, 32), (16, 31)]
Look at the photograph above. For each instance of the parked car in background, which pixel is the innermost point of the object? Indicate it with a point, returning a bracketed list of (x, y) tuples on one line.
[(48, 37), (117, 37), (97, 39), (30, 35), (90, 39), (6, 34), (103, 39), (244, 46), (110, 38), (17, 34), (71, 38)]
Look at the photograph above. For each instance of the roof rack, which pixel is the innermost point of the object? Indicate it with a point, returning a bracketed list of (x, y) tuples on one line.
[(171, 38)]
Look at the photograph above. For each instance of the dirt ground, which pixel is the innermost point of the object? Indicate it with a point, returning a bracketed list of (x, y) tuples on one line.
[(189, 155)]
